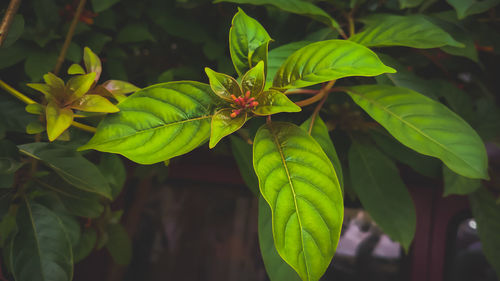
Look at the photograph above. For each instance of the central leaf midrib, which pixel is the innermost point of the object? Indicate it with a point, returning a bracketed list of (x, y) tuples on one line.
[(152, 129), (377, 104), (278, 145)]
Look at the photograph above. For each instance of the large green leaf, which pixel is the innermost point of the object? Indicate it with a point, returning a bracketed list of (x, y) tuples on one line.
[(376, 180), (248, 42), (277, 269), (299, 183), (486, 212), (242, 152), (278, 56), (466, 8), (157, 123), (414, 31), (77, 202), (41, 250), (328, 60), (299, 7), (319, 132), (457, 184), (423, 164), (223, 124), (70, 165), (425, 126)]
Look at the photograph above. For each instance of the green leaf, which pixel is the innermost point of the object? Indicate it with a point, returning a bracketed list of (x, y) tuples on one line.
[(415, 31), (85, 245), (253, 81), (404, 4), (92, 63), (223, 85), (10, 161), (242, 153), (272, 102), (35, 108), (466, 8), (461, 35), (117, 87), (119, 244), (94, 103), (456, 184), (157, 123), (41, 250), (76, 201), (38, 63), (278, 56), (223, 124), (79, 85), (58, 119), (134, 32), (425, 126), (319, 132), (111, 166), (13, 55), (8, 228), (298, 181), (248, 42), (376, 180), (35, 127), (299, 7), (102, 5), (15, 31), (423, 164), (325, 61), (277, 269), (70, 165), (76, 69), (486, 212)]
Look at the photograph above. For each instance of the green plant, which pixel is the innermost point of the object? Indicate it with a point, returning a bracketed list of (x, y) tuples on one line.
[(295, 170)]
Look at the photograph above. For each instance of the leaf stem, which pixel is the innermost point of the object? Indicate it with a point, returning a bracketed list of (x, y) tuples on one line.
[(350, 19), (317, 97), (8, 18), (69, 36), (302, 91), (16, 93), (84, 127), (316, 112)]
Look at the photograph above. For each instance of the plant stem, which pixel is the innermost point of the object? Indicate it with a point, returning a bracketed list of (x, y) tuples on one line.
[(350, 19), (69, 36), (316, 97), (83, 127), (16, 93), (8, 18), (316, 112), (302, 91)]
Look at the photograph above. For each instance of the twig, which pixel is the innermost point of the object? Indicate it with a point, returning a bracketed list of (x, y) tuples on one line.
[(69, 36), (316, 97), (302, 91), (316, 112), (8, 18), (16, 93)]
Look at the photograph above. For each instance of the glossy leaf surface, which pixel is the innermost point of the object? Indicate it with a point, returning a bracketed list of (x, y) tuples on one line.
[(414, 31), (425, 126), (254, 80), (376, 180), (70, 165), (319, 132), (278, 56), (223, 85), (157, 123), (43, 244), (277, 269), (298, 181), (223, 124), (58, 119), (272, 102), (94, 103), (328, 60), (248, 42)]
